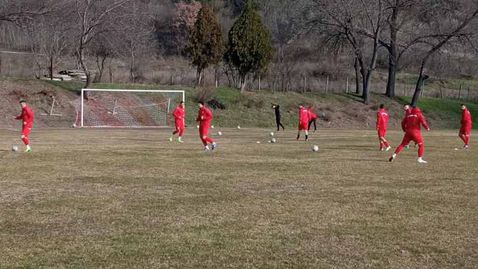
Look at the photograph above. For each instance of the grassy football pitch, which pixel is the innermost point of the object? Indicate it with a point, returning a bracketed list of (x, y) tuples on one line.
[(132, 199)]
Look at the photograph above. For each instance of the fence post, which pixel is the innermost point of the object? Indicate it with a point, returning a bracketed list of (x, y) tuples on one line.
[(327, 85), (468, 94), (459, 91), (347, 87)]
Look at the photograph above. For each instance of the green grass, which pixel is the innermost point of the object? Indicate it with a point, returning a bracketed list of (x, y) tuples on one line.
[(253, 109), (129, 199), (446, 111)]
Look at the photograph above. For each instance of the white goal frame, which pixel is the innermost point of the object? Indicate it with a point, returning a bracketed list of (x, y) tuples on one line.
[(183, 93)]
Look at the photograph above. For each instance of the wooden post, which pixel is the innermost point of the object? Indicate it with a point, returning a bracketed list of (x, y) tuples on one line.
[(347, 87), (327, 85), (459, 91), (468, 94), (259, 83)]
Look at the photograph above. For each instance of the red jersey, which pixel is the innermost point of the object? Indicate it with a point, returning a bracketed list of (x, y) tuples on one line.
[(382, 119), (413, 121), (304, 116), (26, 117), (179, 113), (466, 120), (312, 115), (204, 115)]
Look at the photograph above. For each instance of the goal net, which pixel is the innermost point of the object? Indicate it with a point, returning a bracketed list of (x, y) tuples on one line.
[(108, 108)]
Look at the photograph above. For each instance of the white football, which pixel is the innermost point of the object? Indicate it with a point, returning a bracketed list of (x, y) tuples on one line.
[(271, 134), (258, 142), (273, 140), (238, 127), (14, 148), (212, 126), (74, 125), (197, 126), (315, 148), (219, 133)]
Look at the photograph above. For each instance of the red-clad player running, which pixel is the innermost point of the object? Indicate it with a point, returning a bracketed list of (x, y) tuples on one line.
[(312, 119), (411, 126), (303, 122), (204, 118), (466, 123), (381, 126), (27, 123), (179, 114)]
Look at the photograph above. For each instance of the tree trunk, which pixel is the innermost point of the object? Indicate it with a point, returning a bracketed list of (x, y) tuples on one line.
[(85, 70), (365, 81), (101, 68), (357, 76), (393, 57), (418, 86), (392, 77), (243, 83), (50, 68), (199, 75)]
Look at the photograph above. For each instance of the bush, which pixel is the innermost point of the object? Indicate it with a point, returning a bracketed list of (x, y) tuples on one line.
[(204, 94), (216, 104)]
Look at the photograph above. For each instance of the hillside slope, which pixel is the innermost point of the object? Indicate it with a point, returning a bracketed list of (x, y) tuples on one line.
[(252, 109)]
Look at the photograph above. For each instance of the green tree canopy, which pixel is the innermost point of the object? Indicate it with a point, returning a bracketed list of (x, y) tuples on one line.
[(205, 45), (250, 49)]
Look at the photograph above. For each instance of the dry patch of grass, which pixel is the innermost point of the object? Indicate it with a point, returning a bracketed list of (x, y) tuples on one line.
[(129, 199)]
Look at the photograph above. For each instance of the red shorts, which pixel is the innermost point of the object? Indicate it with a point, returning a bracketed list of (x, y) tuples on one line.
[(303, 126), (204, 128), (26, 130), (465, 130), (415, 137), (179, 124), (381, 132)]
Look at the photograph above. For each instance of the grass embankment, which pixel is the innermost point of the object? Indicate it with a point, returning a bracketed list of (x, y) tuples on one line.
[(253, 109)]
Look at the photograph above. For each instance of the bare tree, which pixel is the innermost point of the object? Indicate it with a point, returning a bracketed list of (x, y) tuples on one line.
[(50, 37), (20, 11), (455, 27), (347, 18), (93, 17)]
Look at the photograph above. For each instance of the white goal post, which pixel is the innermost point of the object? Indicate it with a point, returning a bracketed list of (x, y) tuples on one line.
[(127, 108)]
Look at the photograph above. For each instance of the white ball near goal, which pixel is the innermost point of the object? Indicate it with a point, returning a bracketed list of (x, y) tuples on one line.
[(271, 134), (273, 140), (238, 127), (315, 148), (14, 148), (219, 133), (212, 127), (197, 126)]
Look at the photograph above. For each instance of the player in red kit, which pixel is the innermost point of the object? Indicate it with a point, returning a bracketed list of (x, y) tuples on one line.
[(179, 114), (466, 123), (312, 119), (27, 123), (411, 125), (303, 122), (204, 118), (381, 126)]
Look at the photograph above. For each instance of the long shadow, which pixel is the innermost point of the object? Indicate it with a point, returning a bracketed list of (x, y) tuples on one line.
[(353, 96)]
